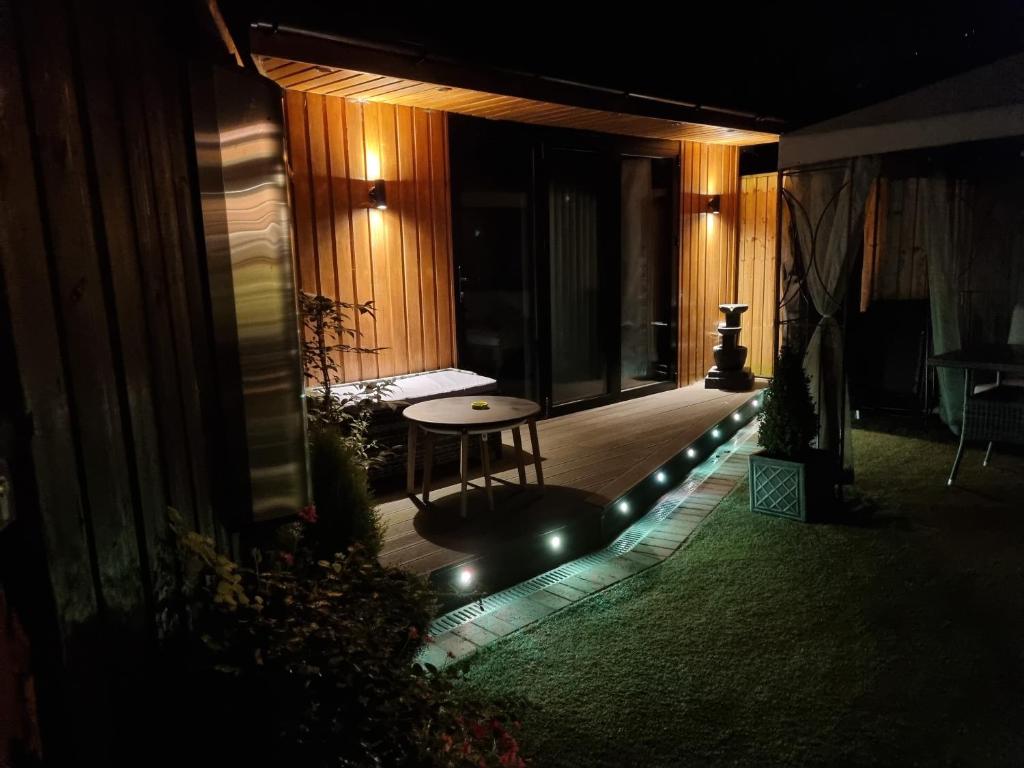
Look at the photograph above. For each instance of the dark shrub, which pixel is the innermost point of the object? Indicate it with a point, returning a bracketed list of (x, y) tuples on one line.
[(311, 665), (787, 423), (345, 513)]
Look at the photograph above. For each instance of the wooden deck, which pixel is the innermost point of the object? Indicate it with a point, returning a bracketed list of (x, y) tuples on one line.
[(589, 459)]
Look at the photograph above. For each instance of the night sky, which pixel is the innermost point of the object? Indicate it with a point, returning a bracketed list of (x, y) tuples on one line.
[(800, 62)]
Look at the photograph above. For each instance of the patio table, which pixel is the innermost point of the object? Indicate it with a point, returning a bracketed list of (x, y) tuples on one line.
[(457, 416), (996, 415)]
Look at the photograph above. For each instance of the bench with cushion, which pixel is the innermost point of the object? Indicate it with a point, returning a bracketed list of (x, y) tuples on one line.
[(389, 429)]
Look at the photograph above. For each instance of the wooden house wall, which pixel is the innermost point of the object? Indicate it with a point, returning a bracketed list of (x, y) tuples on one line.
[(757, 272), (895, 261), (399, 258), (708, 249), (101, 292)]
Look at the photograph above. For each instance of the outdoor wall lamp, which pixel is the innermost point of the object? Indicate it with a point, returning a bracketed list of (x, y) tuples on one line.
[(377, 194), (713, 204)]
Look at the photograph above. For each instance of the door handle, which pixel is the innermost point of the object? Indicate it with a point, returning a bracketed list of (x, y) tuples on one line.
[(659, 323)]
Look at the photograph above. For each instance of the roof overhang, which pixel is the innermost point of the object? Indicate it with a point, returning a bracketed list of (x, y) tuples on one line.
[(329, 65), (985, 103)]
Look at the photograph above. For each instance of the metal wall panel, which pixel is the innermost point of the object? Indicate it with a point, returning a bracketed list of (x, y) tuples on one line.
[(244, 188)]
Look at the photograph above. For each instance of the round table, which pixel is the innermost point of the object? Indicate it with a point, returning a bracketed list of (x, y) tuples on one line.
[(456, 416)]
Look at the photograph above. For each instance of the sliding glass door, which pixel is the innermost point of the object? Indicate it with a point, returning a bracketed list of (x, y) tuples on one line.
[(645, 337), (610, 244), (565, 257), (579, 344)]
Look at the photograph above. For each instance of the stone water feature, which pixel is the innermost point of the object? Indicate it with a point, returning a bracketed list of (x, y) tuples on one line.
[(729, 372)]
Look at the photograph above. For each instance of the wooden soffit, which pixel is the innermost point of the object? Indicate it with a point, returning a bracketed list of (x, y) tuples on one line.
[(302, 70)]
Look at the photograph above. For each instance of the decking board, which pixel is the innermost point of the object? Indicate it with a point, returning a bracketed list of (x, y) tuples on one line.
[(590, 458)]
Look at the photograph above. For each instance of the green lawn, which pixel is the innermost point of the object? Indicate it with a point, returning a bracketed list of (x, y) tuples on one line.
[(767, 642)]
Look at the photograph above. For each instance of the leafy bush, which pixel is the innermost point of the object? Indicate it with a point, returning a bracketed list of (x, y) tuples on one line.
[(328, 334), (344, 508), (310, 663), (787, 423)]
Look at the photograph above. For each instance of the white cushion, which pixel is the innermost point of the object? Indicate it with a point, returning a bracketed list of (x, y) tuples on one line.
[(415, 387)]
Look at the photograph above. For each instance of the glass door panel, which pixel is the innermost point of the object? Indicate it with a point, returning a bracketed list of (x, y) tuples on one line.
[(579, 355), (492, 218), (645, 336)]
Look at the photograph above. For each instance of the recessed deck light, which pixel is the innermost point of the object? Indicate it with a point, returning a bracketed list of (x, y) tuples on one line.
[(623, 507), (660, 477), (690, 453), (465, 577), (716, 433), (736, 416), (555, 542)]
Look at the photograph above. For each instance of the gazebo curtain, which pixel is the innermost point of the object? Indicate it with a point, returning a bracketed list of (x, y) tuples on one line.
[(943, 236), (824, 209)]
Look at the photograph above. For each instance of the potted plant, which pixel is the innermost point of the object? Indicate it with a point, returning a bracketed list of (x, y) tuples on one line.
[(788, 478)]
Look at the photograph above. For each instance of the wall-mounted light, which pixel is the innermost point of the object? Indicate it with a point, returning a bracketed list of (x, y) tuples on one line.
[(713, 204), (377, 195)]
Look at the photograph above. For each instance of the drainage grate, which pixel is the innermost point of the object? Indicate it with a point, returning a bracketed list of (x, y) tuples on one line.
[(624, 543)]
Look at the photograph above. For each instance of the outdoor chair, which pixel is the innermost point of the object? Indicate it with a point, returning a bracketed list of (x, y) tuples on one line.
[(1002, 402)]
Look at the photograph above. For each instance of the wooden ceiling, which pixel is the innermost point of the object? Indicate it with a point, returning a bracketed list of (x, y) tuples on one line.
[(363, 86)]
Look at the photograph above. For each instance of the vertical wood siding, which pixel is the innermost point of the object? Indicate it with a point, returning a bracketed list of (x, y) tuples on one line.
[(757, 268), (399, 258), (895, 263), (707, 275), (102, 298)]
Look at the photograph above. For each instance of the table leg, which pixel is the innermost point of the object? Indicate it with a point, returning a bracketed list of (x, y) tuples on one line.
[(463, 470), (485, 455), (535, 445), (517, 440), (428, 465), (410, 462), (963, 430)]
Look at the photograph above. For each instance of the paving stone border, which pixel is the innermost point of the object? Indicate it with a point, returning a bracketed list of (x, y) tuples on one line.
[(693, 502)]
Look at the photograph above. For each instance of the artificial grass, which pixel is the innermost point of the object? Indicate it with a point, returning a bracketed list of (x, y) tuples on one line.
[(768, 642)]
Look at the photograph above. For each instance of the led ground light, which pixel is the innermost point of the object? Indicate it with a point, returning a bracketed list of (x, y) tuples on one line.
[(691, 453), (737, 416), (465, 577), (624, 507), (660, 477), (555, 542), (716, 433)]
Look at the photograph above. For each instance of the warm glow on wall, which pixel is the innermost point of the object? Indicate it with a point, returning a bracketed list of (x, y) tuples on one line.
[(372, 163)]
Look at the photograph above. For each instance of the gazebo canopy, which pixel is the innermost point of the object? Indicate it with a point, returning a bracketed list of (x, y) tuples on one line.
[(985, 103)]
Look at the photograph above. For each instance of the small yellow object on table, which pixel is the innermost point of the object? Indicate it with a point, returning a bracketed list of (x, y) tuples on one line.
[(480, 405)]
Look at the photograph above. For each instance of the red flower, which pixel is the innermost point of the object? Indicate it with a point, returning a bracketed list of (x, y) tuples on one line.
[(308, 514), (288, 558)]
